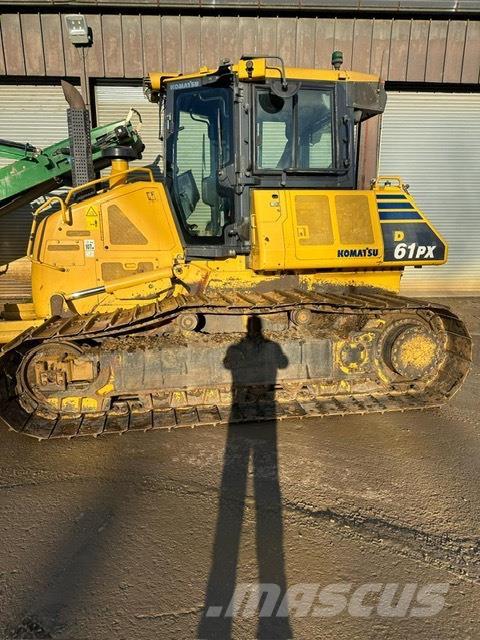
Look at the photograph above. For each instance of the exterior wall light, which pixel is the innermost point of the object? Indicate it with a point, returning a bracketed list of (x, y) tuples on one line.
[(77, 29)]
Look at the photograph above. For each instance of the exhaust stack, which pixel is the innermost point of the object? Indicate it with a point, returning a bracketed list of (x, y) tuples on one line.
[(79, 131)]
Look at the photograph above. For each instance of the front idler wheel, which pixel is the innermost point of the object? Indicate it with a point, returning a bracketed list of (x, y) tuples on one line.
[(412, 350)]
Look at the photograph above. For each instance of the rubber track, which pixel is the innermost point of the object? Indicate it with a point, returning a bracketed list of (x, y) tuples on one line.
[(127, 417)]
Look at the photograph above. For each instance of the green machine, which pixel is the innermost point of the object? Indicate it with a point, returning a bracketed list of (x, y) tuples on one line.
[(35, 172)]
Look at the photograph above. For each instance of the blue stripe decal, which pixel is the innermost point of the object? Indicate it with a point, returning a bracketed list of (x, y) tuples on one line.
[(400, 215), (395, 205), (384, 196)]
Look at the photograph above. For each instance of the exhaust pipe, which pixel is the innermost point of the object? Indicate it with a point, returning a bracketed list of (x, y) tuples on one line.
[(72, 96), (79, 132)]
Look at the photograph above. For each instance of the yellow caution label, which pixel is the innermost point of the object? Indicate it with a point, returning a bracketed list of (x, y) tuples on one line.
[(92, 218)]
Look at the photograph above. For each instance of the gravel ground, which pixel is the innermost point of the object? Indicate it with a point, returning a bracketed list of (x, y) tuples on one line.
[(133, 536)]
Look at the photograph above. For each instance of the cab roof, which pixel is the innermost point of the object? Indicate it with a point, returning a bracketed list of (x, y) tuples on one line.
[(260, 70)]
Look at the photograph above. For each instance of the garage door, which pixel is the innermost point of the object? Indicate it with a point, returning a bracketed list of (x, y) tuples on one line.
[(35, 114), (432, 140), (113, 103)]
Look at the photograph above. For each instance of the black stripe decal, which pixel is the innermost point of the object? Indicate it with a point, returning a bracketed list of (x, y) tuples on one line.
[(395, 205), (400, 215)]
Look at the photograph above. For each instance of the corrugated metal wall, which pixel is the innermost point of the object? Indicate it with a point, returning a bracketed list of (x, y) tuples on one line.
[(129, 45), (35, 114), (432, 140)]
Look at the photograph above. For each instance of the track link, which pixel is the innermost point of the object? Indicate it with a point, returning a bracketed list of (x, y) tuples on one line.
[(22, 413)]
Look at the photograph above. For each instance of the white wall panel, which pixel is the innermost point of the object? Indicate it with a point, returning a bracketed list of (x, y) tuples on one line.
[(432, 140)]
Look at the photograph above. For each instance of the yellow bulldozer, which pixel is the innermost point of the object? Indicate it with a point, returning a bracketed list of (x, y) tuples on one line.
[(143, 288)]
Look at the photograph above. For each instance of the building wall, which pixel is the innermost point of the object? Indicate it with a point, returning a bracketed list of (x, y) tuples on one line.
[(130, 45), (342, 6)]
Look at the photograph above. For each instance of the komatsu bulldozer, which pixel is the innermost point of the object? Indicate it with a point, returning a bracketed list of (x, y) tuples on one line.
[(150, 295)]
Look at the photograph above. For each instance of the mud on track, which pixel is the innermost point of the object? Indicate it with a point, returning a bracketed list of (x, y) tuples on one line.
[(115, 537)]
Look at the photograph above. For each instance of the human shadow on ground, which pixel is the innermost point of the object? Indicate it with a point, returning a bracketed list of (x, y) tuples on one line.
[(254, 362)]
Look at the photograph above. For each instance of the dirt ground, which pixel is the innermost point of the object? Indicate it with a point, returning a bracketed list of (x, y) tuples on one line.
[(132, 537)]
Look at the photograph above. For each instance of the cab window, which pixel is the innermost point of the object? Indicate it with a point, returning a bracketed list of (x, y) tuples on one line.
[(202, 147), (294, 132)]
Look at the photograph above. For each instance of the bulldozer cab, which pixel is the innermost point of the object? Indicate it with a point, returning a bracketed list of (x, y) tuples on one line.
[(254, 126), (199, 153)]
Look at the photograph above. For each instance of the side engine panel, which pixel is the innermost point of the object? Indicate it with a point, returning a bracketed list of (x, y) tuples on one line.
[(311, 229), (341, 229), (125, 231)]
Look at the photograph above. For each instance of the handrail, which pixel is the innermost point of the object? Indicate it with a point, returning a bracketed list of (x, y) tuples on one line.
[(33, 230), (387, 180), (87, 185), (48, 203)]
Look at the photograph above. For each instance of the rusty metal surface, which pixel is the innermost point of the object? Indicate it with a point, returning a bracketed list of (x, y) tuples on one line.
[(394, 6), (129, 46)]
